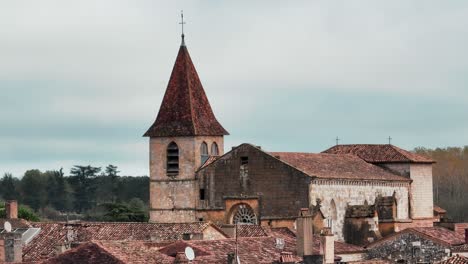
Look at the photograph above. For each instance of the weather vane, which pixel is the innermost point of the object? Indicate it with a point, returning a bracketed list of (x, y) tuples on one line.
[(182, 23)]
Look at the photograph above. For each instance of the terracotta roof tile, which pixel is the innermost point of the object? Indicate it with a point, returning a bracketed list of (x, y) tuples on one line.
[(454, 260), (384, 153), (439, 209), (331, 166), (15, 223), (52, 234), (460, 248), (250, 231), (436, 234), (185, 109)]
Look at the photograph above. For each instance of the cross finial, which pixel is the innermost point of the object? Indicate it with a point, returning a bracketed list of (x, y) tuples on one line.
[(182, 23), (337, 140), (390, 140)]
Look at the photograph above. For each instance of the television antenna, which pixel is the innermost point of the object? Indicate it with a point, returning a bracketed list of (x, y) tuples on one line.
[(189, 253), (7, 226)]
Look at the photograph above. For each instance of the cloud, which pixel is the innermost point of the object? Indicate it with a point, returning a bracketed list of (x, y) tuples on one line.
[(80, 81)]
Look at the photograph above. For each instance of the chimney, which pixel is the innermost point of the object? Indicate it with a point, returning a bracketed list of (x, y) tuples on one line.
[(327, 246), (466, 236), (231, 258), (11, 209), (305, 234), (2, 251), (12, 247)]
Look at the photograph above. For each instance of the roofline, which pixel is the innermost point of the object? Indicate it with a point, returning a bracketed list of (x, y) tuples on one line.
[(409, 230), (299, 170)]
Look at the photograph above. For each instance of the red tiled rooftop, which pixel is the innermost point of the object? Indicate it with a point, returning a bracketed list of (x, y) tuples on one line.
[(454, 260), (52, 234), (331, 166), (384, 153), (436, 234), (185, 109)]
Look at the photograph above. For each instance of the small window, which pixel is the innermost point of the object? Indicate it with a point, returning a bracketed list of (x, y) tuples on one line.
[(172, 159), (244, 160), (214, 149), (202, 194), (204, 152)]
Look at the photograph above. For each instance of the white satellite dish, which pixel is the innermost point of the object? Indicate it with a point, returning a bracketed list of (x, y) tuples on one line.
[(189, 253), (7, 226)]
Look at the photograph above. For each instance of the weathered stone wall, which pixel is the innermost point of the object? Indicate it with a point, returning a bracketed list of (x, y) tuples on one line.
[(401, 248), (211, 233), (178, 193), (344, 192), (281, 190), (351, 257), (421, 191)]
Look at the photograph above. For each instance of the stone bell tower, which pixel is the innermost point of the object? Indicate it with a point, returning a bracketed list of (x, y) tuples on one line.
[(184, 135)]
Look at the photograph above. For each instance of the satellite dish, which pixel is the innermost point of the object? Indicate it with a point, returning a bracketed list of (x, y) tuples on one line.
[(189, 253), (7, 226)]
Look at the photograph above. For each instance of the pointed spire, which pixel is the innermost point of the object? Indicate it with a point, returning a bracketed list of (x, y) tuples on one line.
[(185, 109)]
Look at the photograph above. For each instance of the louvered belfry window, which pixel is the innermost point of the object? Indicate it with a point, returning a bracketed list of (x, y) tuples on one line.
[(172, 159)]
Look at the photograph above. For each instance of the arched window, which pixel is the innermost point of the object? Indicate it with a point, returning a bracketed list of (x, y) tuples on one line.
[(333, 211), (172, 159), (214, 149), (204, 152), (244, 215)]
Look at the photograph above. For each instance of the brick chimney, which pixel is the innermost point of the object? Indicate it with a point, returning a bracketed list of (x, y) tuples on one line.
[(327, 246), (305, 234), (11, 209), (11, 247)]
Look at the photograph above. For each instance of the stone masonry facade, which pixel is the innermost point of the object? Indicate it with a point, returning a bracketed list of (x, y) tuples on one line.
[(337, 194), (173, 199)]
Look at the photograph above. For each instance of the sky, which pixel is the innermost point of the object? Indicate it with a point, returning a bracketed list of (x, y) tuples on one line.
[(81, 81)]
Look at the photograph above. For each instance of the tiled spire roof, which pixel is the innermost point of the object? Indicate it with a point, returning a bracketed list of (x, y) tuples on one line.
[(185, 109)]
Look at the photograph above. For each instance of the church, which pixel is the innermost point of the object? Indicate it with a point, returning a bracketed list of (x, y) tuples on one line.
[(381, 187)]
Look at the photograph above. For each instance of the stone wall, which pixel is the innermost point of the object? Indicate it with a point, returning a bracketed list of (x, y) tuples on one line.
[(421, 191), (281, 190), (339, 193), (401, 247), (178, 193)]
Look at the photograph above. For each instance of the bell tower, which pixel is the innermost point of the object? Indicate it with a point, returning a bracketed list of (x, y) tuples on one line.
[(183, 136)]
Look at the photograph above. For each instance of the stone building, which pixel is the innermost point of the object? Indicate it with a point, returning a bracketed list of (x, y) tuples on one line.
[(192, 179)]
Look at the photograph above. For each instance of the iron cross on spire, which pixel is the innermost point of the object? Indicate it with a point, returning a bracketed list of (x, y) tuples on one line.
[(182, 23), (337, 140), (390, 140)]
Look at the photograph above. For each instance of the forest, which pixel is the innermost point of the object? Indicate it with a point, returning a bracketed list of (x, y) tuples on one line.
[(87, 193), (96, 194)]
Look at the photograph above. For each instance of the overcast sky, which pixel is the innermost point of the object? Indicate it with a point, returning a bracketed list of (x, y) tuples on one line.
[(81, 81)]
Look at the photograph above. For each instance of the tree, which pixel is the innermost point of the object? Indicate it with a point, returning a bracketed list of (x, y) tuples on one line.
[(8, 187), (112, 172), (58, 191), (33, 191), (81, 179)]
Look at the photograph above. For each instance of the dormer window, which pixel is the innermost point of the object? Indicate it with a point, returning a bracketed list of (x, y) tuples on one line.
[(204, 152), (172, 159), (214, 149)]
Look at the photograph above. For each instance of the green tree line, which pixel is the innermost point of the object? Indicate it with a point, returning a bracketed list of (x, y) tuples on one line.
[(450, 180), (88, 192)]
